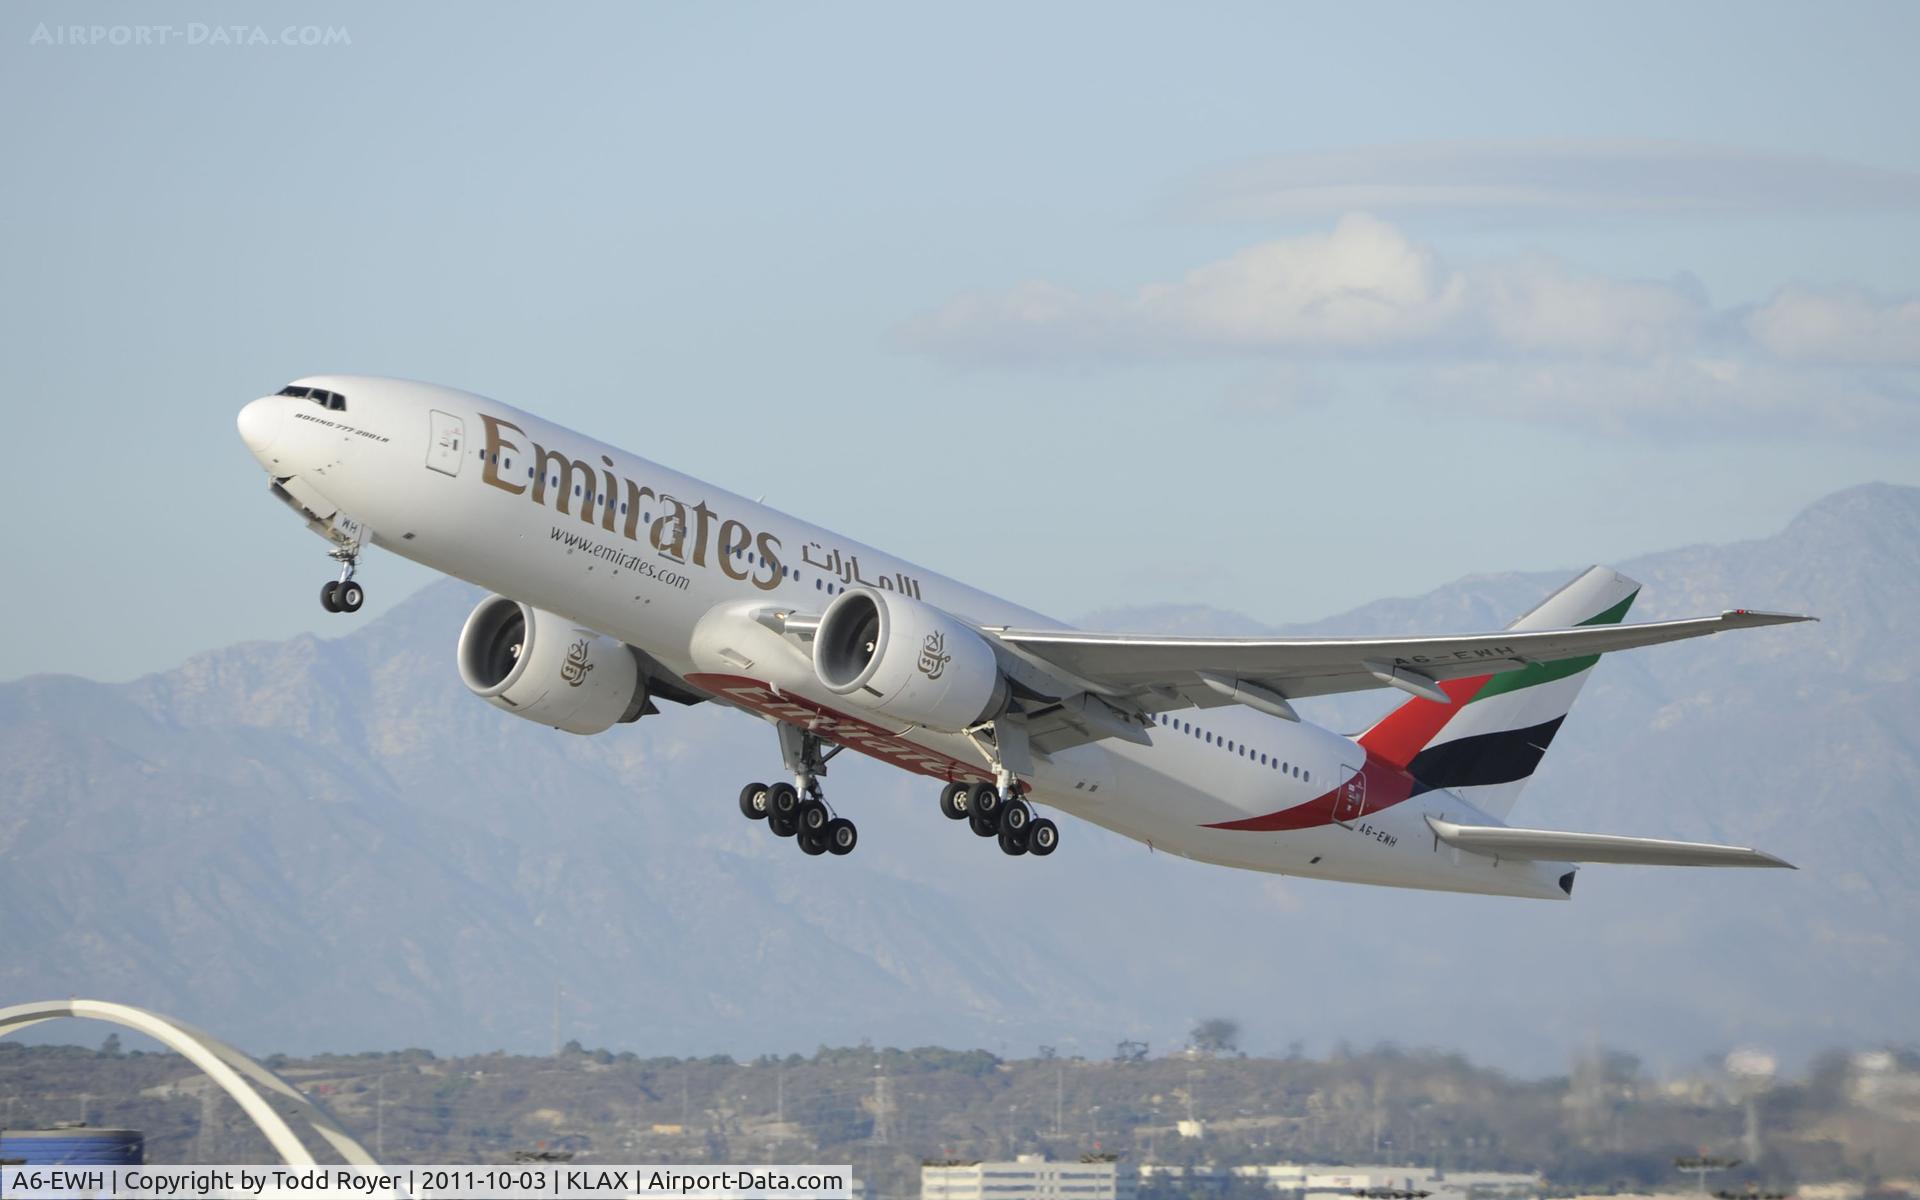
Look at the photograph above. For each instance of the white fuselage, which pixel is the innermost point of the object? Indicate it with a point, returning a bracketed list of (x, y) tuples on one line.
[(447, 478)]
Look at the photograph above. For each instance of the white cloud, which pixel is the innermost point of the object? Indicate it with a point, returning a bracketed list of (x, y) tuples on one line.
[(1364, 287), (1528, 338), (1837, 325), (1364, 284), (1543, 178)]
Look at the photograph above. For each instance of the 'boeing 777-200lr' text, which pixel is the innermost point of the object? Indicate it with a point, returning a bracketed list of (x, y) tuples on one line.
[(619, 583)]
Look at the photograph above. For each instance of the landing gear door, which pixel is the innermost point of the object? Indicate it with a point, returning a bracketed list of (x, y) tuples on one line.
[(446, 442), (1351, 800)]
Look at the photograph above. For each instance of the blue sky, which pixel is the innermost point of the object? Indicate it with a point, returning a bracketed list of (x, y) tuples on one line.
[(1278, 308)]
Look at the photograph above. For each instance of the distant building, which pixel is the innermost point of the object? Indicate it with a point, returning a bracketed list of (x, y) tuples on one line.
[(1310, 1181), (1028, 1177)]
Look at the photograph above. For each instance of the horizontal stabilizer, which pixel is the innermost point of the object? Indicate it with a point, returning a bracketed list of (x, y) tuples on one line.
[(1557, 846)]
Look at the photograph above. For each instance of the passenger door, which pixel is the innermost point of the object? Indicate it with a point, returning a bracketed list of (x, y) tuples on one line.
[(446, 438), (1351, 800)]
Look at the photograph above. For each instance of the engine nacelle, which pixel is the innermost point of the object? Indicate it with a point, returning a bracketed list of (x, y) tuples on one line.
[(907, 660), (545, 668)]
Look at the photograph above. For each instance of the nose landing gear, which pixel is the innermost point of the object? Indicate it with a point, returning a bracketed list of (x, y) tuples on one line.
[(343, 594)]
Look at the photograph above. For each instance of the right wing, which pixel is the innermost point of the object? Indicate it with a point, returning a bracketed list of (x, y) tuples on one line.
[(1500, 841), (1124, 663)]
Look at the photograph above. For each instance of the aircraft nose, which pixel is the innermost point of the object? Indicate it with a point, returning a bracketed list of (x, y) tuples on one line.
[(260, 423)]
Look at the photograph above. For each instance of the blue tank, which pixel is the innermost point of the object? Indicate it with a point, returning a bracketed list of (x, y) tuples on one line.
[(92, 1147)]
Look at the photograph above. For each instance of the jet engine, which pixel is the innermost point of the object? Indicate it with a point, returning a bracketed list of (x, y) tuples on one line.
[(545, 668), (896, 656)]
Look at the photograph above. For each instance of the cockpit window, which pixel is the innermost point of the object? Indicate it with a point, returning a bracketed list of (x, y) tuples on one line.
[(325, 399)]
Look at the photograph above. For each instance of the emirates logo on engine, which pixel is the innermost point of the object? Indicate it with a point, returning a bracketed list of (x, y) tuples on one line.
[(575, 669), (933, 655)]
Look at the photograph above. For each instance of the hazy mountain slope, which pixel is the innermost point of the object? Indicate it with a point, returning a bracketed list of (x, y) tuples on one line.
[(328, 843)]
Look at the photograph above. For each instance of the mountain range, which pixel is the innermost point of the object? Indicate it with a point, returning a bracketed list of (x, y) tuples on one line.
[(327, 844)]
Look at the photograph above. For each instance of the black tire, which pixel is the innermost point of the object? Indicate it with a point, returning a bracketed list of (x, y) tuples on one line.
[(1043, 838), (350, 596), (330, 596), (984, 798), (813, 841), (1016, 816), (984, 826), (813, 816), (953, 801), (782, 824), (842, 837), (1013, 841), (783, 799), (753, 802)]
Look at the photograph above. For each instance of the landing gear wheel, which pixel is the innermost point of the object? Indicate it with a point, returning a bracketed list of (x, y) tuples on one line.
[(330, 596), (813, 841), (983, 799), (753, 802), (1016, 817), (813, 817), (350, 595), (783, 800), (1013, 841), (782, 824), (953, 801), (842, 837), (983, 826), (1043, 837)]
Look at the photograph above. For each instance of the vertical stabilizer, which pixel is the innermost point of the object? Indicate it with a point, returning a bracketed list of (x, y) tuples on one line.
[(1486, 744)]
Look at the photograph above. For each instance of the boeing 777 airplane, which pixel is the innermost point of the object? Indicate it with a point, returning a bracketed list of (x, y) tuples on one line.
[(618, 583)]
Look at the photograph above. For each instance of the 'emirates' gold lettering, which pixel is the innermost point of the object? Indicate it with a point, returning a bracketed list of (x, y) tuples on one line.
[(669, 531)]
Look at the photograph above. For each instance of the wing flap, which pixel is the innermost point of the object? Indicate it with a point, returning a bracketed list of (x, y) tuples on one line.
[(1556, 846)]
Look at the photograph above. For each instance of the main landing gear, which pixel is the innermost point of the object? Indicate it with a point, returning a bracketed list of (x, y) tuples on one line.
[(1005, 817), (343, 594), (798, 810)]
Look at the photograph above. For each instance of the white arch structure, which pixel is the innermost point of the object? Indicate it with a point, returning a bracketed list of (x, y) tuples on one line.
[(223, 1064)]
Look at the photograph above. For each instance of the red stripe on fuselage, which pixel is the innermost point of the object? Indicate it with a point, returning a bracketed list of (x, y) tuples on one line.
[(1389, 746), (1383, 785), (839, 728)]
